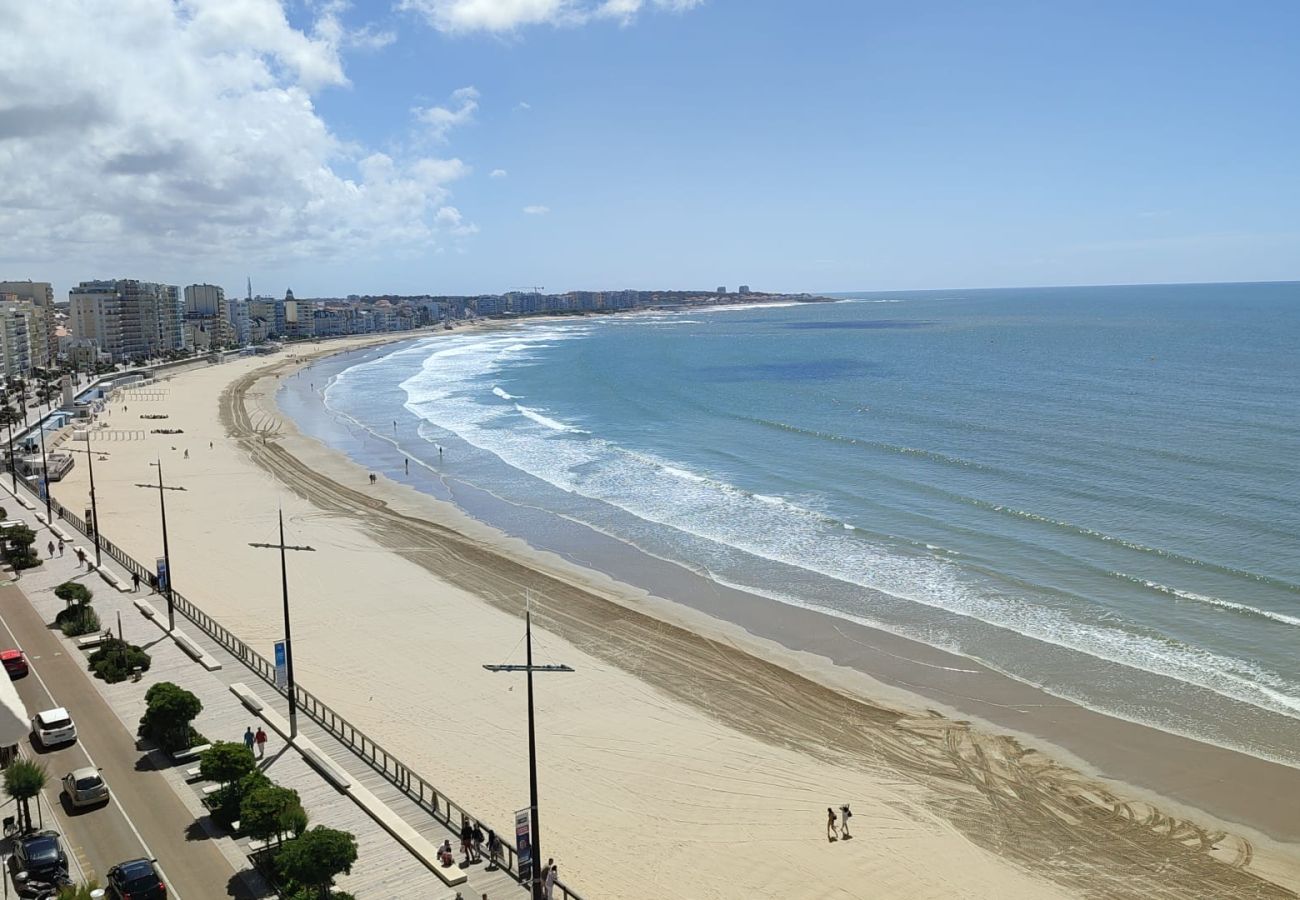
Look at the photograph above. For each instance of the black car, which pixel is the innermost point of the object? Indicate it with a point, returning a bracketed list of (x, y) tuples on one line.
[(41, 856), (136, 879)]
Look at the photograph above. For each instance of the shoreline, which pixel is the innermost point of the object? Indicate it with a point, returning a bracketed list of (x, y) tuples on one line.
[(920, 745)]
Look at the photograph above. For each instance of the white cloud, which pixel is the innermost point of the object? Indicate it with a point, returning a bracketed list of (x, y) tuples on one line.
[(441, 119), (498, 173), (537, 210), (523, 105), (458, 16), (449, 218), (211, 148)]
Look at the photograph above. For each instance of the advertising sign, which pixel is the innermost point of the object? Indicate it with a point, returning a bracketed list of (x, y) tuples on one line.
[(163, 575), (281, 666), (524, 843)]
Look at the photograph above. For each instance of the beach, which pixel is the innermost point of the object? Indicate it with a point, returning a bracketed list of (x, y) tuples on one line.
[(687, 756)]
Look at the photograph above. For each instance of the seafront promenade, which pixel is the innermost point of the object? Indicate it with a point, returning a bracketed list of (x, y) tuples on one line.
[(349, 785)]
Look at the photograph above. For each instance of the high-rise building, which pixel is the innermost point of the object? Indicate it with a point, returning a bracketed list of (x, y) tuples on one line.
[(237, 318), (128, 319), (744, 289), (16, 321), (207, 320), (299, 318), (45, 344), (722, 289)]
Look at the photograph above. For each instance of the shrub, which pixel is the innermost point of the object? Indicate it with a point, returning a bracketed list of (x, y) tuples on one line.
[(77, 620), (169, 710), (226, 761), (115, 660), (74, 593), (16, 547)]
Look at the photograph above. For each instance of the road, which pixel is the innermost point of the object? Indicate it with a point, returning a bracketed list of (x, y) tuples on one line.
[(144, 817)]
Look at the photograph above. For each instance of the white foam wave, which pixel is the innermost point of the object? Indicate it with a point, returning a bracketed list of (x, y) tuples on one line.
[(503, 395), (553, 424), (1232, 605)]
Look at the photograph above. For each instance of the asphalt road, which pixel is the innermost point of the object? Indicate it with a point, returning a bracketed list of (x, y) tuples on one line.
[(143, 817)]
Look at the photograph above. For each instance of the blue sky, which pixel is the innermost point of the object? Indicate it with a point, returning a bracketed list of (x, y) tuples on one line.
[(792, 146)]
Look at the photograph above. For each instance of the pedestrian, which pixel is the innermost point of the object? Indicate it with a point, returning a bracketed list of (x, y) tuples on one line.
[(209, 445), (408, 465), (187, 454), (546, 872), (61, 545), (494, 848), (50, 548), (845, 815), (466, 840), (260, 738), (552, 876), (81, 557), (479, 838), (135, 582), (831, 834), (249, 738)]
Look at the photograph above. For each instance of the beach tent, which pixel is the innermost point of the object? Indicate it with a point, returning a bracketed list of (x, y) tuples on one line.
[(14, 721)]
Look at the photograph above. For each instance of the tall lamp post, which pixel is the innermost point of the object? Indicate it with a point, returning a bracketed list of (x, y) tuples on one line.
[(13, 463), (166, 586), (288, 638), (93, 524), (45, 472), (534, 875)]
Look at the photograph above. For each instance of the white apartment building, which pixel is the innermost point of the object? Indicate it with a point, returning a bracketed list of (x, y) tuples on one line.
[(128, 319), (207, 317), (40, 294), (16, 320)]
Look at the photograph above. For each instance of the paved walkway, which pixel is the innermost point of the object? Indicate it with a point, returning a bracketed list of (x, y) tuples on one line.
[(384, 868)]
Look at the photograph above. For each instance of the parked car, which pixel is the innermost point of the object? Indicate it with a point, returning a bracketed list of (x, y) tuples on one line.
[(41, 856), (54, 726), (136, 879), (85, 787), (15, 662)]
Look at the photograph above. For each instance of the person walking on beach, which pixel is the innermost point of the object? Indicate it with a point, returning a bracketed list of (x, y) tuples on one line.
[(831, 834), (248, 738), (260, 738), (187, 454), (845, 815), (408, 465)]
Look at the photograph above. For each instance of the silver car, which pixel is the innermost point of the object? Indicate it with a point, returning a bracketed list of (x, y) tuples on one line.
[(85, 787)]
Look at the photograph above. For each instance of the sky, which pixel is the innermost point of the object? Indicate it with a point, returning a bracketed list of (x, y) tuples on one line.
[(476, 146)]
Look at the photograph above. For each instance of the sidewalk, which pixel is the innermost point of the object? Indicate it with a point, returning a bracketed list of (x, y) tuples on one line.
[(385, 868)]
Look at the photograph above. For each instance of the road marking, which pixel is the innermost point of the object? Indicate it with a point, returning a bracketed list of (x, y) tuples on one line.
[(112, 798)]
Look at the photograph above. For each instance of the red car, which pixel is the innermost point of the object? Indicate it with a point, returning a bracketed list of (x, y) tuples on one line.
[(15, 662)]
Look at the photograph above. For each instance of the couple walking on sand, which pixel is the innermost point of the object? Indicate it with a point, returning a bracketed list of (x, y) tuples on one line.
[(832, 832)]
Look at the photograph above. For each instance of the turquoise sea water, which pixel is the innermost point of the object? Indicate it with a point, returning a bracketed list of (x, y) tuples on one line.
[(1092, 489)]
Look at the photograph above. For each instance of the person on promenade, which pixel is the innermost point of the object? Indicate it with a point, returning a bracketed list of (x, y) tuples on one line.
[(135, 582), (845, 815), (50, 548), (260, 738), (831, 834), (466, 840), (445, 857), (548, 884), (81, 557), (61, 546), (546, 872), (494, 848), (477, 835), (248, 738)]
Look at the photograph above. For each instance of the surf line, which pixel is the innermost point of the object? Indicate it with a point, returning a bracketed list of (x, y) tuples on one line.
[(899, 656)]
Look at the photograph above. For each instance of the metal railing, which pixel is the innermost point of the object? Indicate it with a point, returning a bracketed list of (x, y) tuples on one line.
[(433, 801)]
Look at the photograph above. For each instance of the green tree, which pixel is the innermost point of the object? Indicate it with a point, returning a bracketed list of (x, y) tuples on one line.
[(16, 547), (169, 710), (24, 779), (270, 811), (74, 593), (317, 857), (226, 761)]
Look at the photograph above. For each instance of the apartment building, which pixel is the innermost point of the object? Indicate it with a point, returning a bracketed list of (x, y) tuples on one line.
[(128, 319), (44, 341)]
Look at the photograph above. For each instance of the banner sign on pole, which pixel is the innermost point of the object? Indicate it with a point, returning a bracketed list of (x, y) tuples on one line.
[(281, 666), (524, 843), (43, 488), (163, 575)]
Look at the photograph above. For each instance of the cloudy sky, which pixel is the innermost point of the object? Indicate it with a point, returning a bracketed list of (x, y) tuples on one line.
[(355, 146)]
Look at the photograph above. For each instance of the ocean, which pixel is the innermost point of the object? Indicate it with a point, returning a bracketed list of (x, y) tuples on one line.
[(1092, 490)]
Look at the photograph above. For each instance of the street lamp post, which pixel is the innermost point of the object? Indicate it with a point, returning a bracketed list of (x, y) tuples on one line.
[(535, 870), (93, 524), (167, 558), (45, 472), (13, 463), (288, 637)]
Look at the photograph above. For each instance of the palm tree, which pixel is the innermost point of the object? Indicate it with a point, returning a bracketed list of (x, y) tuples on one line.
[(24, 780)]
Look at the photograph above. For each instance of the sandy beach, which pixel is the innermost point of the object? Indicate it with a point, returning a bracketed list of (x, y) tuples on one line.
[(686, 757)]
